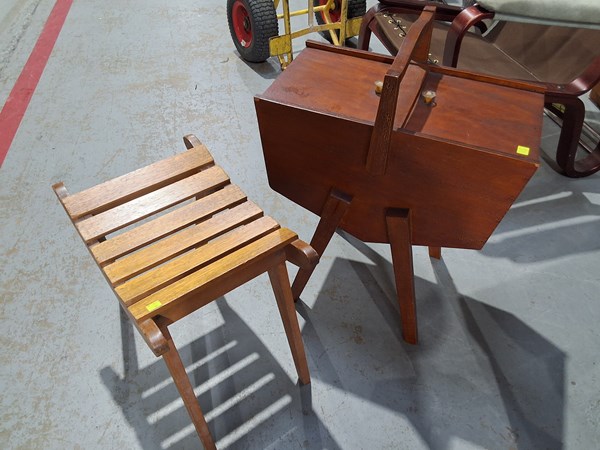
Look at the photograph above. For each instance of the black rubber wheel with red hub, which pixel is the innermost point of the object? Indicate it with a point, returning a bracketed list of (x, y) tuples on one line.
[(356, 8), (251, 24)]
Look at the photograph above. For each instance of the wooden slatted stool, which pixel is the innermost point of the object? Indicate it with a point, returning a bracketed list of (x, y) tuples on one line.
[(210, 241)]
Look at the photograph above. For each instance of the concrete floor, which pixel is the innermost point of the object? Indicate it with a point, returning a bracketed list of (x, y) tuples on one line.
[(508, 357)]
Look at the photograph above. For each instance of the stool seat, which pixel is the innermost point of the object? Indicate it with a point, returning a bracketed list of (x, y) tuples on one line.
[(177, 234)]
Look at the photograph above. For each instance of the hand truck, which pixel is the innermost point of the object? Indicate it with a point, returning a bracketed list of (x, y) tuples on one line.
[(254, 25)]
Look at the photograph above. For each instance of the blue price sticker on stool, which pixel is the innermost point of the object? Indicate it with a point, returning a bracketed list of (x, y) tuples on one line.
[(153, 306)]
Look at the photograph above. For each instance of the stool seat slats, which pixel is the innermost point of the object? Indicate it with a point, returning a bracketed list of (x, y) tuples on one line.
[(169, 256), (177, 268), (211, 274), (186, 236), (174, 245), (130, 212), (136, 183), (149, 232)]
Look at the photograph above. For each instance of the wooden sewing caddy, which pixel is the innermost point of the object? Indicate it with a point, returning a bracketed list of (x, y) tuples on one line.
[(390, 167)]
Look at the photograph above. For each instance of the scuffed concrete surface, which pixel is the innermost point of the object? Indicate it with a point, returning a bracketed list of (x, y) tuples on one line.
[(508, 355)]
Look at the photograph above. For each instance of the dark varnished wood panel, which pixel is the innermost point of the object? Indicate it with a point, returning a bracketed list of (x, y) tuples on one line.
[(480, 114), (350, 93), (457, 194), (496, 118)]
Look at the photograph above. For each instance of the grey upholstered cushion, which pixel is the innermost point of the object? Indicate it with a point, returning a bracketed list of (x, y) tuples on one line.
[(579, 13)]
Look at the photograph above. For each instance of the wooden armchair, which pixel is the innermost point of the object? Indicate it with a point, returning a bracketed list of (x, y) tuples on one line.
[(564, 59)]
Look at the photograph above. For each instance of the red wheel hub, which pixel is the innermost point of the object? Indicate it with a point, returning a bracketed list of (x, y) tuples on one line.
[(335, 13), (241, 23)]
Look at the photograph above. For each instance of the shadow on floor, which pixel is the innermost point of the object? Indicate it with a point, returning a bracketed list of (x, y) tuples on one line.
[(271, 69), (479, 374), (549, 220), (268, 70), (247, 398)]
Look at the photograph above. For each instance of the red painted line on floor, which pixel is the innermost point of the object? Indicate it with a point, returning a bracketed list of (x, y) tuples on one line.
[(18, 100)]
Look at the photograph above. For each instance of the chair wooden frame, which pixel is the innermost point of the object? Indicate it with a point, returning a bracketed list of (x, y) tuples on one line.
[(210, 240)]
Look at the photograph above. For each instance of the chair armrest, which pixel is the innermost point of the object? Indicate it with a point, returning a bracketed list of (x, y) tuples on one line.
[(579, 86), (467, 18)]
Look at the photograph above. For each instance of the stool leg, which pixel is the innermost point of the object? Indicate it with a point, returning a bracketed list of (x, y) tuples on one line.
[(182, 382), (399, 233), (333, 212), (285, 302)]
